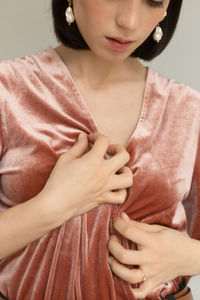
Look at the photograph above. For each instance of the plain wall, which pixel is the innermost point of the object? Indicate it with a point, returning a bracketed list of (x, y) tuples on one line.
[(26, 27)]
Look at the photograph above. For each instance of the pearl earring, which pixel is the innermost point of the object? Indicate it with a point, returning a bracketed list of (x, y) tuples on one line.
[(69, 13), (157, 36)]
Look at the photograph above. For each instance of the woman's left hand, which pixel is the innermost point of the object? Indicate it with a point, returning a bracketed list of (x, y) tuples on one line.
[(163, 254)]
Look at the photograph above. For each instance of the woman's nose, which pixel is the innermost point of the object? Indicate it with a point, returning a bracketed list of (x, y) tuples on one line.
[(128, 15)]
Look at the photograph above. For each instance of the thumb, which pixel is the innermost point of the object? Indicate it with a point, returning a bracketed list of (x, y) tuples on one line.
[(79, 147), (141, 225)]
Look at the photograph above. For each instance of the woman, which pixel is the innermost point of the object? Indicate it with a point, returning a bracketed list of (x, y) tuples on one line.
[(115, 214)]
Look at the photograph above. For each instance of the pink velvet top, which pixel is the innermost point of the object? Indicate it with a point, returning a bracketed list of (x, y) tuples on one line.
[(42, 113)]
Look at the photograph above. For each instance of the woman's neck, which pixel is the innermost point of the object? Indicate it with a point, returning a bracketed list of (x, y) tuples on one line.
[(97, 73)]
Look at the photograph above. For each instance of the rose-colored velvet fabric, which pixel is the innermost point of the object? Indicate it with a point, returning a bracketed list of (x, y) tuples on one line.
[(42, 113)]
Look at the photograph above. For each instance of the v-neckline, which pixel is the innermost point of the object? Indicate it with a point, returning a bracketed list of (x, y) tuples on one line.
[(83, 103)]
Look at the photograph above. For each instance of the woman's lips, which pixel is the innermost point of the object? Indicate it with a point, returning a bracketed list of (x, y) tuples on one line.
[(118, 45), (121, 40)]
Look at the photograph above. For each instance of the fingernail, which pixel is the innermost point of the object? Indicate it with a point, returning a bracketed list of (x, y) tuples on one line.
[(81, 136), (125, 217)]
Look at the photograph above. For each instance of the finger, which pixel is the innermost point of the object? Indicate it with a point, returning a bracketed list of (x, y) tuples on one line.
[(133, 233), (120, 157), (77, 150), (116, 197), (100, 143), (123, 255), (124, 179), (129, 275), (125, 170), (145, 289), (143, 226)]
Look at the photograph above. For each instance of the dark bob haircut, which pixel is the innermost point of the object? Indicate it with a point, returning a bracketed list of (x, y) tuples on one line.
[(71, 36)]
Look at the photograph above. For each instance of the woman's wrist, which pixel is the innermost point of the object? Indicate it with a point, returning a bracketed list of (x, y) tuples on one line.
[(53, 215), (194, 257), (188, 263)]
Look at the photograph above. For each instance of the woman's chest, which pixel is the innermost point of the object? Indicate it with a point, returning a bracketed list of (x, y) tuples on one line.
[(117, 113)]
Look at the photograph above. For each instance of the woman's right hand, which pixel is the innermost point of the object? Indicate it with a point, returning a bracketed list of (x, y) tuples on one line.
[(81, 181)]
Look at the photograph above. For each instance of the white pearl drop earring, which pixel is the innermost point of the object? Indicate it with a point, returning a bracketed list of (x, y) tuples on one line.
[(69, 13), (157, 36)]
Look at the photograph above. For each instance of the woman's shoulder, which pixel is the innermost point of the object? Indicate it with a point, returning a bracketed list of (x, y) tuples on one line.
[(173, 89), (27, 70)]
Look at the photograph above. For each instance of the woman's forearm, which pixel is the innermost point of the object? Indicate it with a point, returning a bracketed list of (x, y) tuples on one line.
[(23, 224)]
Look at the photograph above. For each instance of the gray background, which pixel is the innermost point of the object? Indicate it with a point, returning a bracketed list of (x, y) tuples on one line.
[(26, 27)]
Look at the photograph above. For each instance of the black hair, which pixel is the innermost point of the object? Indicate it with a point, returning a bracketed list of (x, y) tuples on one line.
[(71, 36)]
